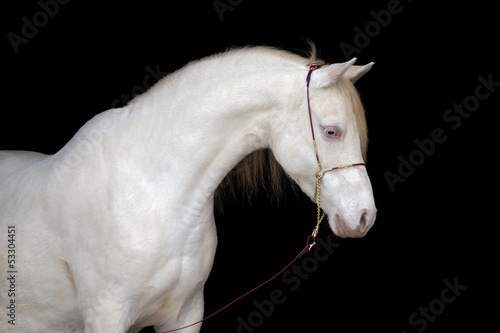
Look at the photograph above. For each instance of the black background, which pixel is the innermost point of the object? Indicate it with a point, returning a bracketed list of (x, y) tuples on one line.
[(438, 224)]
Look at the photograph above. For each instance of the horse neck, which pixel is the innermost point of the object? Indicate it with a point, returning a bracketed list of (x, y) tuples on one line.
[(186, 134)]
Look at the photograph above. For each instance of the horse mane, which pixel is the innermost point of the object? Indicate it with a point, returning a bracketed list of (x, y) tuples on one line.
[(259, 172)]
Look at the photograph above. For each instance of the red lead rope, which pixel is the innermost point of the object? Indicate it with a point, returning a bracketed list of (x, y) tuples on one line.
[(301, 253)]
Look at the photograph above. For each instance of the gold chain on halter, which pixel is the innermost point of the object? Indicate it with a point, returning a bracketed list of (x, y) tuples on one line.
[(317, 196)]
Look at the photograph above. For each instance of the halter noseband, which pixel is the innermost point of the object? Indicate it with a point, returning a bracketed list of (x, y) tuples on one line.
[(319, 176)]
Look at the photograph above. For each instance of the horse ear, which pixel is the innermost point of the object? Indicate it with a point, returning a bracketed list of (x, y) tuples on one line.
[(328, 75), (353, 73)]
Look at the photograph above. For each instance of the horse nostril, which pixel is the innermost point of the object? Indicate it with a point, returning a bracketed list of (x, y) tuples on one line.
[(363, 222)]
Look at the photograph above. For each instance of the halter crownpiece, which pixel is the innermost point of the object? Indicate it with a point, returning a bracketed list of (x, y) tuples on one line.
[(319, 176)]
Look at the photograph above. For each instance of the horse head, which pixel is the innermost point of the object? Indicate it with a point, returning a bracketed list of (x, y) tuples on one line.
[(337, 118)]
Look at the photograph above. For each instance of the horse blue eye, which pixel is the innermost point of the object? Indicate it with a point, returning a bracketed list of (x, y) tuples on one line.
[(330, 132)]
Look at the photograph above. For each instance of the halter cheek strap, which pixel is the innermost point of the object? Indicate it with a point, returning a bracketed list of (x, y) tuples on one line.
[(319, 175)]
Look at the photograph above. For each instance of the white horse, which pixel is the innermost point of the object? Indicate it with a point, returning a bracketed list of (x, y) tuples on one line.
[(116, 231)]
